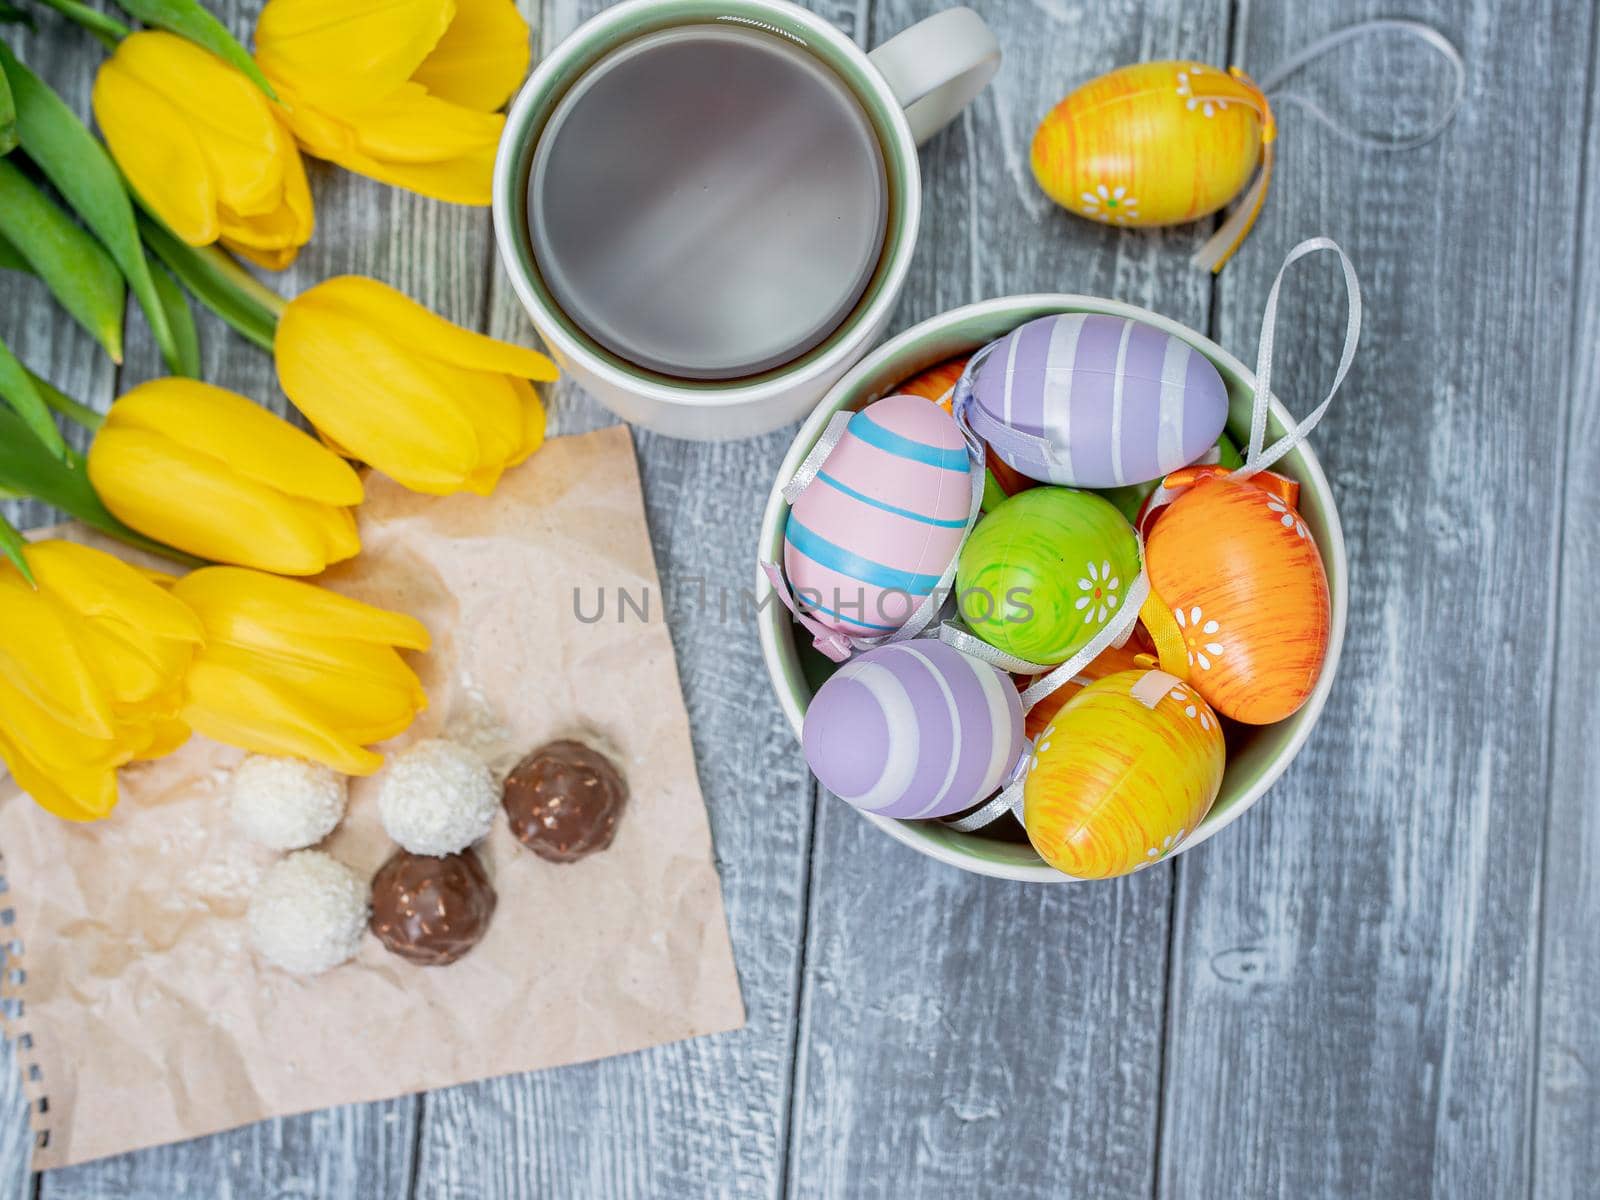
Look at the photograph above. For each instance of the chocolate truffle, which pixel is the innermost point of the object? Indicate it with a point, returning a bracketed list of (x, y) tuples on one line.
[(563, 801), (429, 909)]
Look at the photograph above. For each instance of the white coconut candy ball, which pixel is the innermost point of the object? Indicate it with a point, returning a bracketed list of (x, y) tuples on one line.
[(286, 803), (308, 913), (437, 797)]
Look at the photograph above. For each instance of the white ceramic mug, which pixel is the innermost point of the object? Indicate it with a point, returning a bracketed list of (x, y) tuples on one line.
[(910, 88)]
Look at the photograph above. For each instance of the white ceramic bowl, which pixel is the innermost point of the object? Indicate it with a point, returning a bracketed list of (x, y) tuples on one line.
[(1254, 763)]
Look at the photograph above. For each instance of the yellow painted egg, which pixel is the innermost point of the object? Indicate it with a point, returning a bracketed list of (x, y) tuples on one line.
[(1125, 771), (1156, 143)]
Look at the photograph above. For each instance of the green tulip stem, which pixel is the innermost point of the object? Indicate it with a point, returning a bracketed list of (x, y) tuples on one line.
[(230, 269), (109, 30), (72, 410)]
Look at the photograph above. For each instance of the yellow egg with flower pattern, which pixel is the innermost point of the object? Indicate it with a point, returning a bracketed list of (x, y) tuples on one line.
[(1122, 775), (1156, 143)]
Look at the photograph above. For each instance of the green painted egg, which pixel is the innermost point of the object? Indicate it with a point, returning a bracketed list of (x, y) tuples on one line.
[(1045, 571)]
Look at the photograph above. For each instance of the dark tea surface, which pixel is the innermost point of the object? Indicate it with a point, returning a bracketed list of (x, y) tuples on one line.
[(708, 202)]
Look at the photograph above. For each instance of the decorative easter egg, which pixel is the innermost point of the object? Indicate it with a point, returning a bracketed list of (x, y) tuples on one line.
[(1157, 143), (1242, 576), (1108, 662), (873, 533), (913, 729), (938, 383), (1122, 775), (1115, 400), (1046, 571)]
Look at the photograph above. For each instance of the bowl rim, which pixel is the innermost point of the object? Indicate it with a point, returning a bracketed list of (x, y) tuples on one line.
[(773, 621)]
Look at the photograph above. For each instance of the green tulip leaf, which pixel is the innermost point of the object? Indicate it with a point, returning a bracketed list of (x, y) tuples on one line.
[(64, 404), (215, 279), (74, 266), (81, 170), (8, 117), (189, 20), (109, 30), (180, 318), (18, 390), (10, 14), (26, 467), (11, 258), (11, 544)]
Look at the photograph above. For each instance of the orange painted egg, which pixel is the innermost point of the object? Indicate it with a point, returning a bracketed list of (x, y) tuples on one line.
[(1111, 660), (1241, 573), (1125, 771), (1157, 143)]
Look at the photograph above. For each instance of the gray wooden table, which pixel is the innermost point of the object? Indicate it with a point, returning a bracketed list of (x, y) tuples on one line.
[(1382, 981)]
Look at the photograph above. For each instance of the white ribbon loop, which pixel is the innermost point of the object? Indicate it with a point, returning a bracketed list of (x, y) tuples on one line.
[(1426, 34), (1258, 459)]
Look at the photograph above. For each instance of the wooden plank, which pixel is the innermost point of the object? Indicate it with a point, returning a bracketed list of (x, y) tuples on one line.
[(1352, 1007), (963, 1036), (1566, 1155), (705, 1117)]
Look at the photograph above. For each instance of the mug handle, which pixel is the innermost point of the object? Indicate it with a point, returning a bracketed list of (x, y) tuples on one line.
[(936, 67)]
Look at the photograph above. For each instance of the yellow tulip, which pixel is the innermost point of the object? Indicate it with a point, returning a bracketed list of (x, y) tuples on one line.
[(205, 470), (92, 665), (204, 147), (291, 668), (434, 406), (404, 91)]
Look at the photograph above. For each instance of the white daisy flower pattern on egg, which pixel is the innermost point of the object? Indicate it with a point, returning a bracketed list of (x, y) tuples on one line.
[(1100, 590), (1111, 205), (1193, 708), (1288, 518), (1156, 853), (1199, 636), (1208, 106)]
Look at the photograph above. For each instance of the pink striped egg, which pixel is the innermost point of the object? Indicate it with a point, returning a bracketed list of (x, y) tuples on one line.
[(873, 533), (1116, 400), (914, 729)]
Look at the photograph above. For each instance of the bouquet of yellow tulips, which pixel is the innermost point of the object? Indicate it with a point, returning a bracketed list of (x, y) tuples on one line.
[(101, 663)]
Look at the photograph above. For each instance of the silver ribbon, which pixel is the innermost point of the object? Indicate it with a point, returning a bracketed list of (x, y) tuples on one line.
[(1426, 34)]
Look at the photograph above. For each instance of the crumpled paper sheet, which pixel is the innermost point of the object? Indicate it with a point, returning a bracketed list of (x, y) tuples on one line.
[(152, 1020)]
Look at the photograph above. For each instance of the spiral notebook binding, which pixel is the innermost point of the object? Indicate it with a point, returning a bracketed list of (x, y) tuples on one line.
[(14, 1018)]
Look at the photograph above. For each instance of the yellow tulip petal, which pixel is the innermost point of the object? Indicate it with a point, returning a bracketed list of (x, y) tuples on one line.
[(411, 325), (294, 606), (165, 737), (256, 443), (49, 740), (364, 699), (152, 143), (271, 260), (235, 708), (372, 397), (494, 408), (482, 57), (97, 584), (230, 117), (41, 657), (411, 126), (194, 502), (81, 794), (350, 51), (466, 180)]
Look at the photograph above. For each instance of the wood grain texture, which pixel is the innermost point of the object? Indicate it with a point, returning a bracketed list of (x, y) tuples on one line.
[(705, 1117), (1566, 1112), (1351, 1006), (964, 1036)]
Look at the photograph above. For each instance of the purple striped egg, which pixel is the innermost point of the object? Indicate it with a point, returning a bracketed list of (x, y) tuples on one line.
[(914, 729), (873, 533), (1117, 400)]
